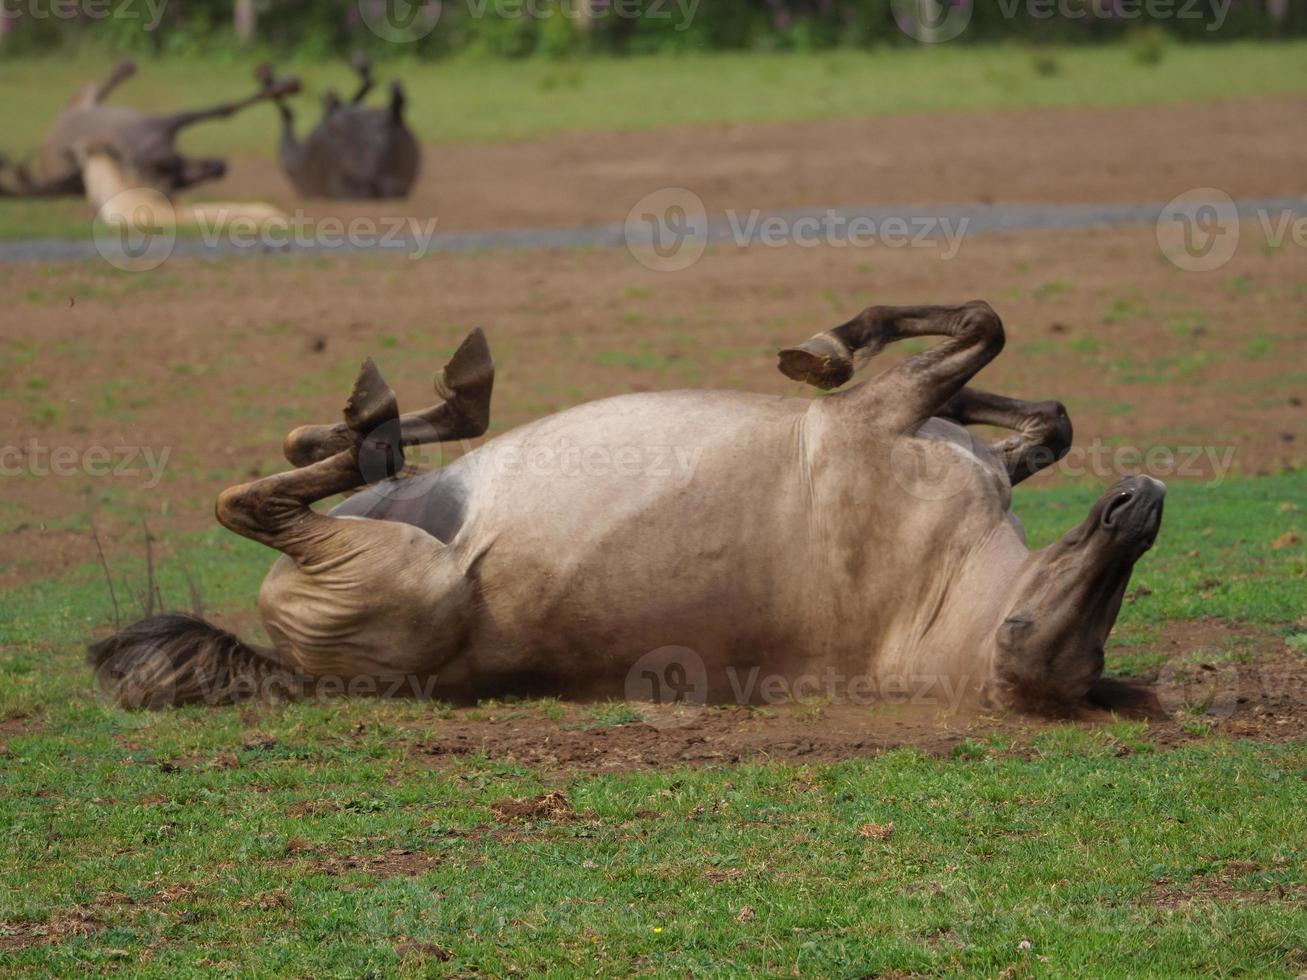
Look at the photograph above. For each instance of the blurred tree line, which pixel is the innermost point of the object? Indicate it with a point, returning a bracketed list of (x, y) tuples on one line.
[(562, 28)]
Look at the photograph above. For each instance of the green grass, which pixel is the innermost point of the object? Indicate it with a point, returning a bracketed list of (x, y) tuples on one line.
[(1215, 554), (466, 99), (222, 837), (1078, 853)]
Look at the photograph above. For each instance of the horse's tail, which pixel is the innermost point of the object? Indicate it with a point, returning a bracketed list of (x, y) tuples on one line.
[(180, 659)]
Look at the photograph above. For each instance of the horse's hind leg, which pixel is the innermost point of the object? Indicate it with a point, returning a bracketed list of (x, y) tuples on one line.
[(921, 386), (463, 386), (276, 511), (1043, 429), (273, 91), (351, 597), (362, 66), (122, 71)]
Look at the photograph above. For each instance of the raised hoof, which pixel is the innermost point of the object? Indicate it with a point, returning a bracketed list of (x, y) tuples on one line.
[(822, 361), (465, 385), (372, 404), (469, 369)]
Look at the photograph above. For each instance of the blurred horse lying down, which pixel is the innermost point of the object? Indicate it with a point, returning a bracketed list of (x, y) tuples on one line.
[(353, 153), (145, 145), (867, 533)]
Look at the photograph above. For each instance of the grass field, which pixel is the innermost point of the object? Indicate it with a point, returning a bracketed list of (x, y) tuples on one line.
[(494, 101), (313, 839)]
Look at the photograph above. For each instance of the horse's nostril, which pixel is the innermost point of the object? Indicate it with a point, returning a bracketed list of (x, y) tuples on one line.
[(1119, 502)]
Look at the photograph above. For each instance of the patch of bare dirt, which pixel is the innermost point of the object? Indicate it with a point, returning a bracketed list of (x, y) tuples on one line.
[(81, 920), (1248, 147), (1222, 887), (1262, 697), (553, 805), (397, 862), (19, 725), (1231, 678)]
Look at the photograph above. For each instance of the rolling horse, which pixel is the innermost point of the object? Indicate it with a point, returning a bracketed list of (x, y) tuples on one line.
[(144, 146), (353, 153), (868, 532)]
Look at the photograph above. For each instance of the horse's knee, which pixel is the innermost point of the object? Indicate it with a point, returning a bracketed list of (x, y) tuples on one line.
[(982, 325), (254, 511), (1054, 427), (236, 509)]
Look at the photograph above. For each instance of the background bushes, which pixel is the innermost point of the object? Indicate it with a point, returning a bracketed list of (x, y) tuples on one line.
[(557, 28)]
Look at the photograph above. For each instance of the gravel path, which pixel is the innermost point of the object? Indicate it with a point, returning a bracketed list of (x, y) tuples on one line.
[(743, 228)]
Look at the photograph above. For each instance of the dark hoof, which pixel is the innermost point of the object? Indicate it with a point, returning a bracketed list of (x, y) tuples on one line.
[(469, 368), (372, 403), (822, 362), (465, 385)]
